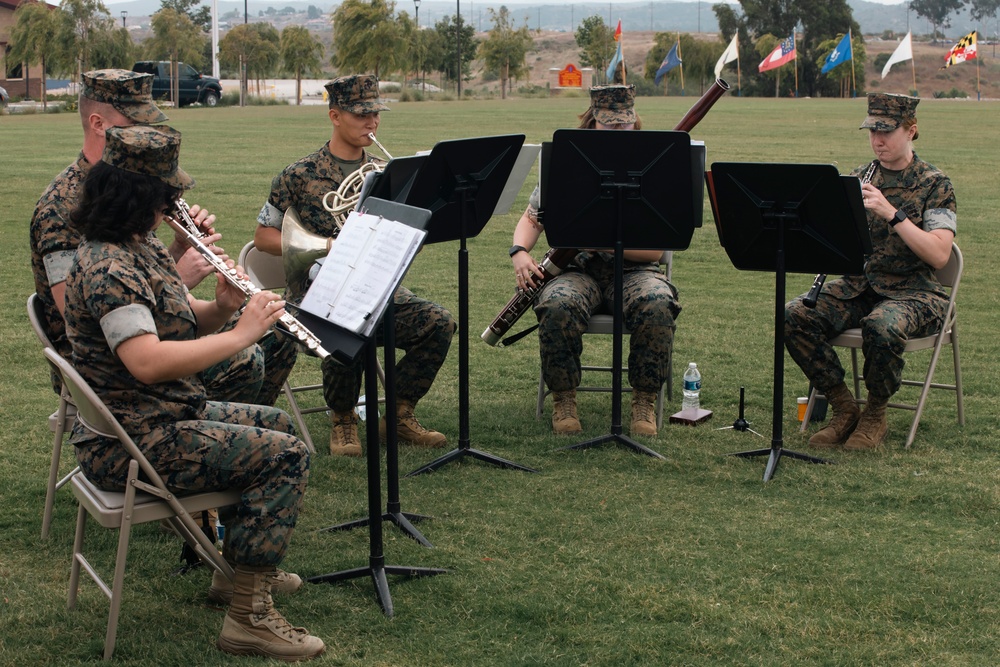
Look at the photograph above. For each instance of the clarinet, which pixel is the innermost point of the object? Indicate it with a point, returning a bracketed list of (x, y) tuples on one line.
[(182, 223), (809, 300), (556, 260)]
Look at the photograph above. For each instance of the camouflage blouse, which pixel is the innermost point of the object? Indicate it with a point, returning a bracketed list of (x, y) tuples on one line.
[(302, 186), (893, 270), (53, 244), (116, 291)]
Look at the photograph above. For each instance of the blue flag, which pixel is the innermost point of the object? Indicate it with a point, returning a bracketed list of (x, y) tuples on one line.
[(670, 62), (614, 63), (840, 54)]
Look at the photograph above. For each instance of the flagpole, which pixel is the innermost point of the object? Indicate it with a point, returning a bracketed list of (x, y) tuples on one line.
[(681, 58), (621, 45), (739, 75), (979, 97), (854, 88), (796, 65), (913, 70)]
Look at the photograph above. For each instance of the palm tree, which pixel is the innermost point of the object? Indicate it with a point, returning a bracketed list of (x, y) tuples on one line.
[(300, 51)]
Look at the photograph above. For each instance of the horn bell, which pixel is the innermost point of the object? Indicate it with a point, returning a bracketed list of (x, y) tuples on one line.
[(299, 250)]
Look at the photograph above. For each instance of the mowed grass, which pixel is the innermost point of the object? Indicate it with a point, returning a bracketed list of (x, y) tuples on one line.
[(604, 557)]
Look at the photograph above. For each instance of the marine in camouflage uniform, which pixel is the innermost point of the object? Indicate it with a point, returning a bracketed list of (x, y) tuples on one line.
[(565, 305), (896, 298), (423, 329), (54, 241), (118, 290)]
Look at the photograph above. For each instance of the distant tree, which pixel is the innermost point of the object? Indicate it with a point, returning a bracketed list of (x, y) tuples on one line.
[(175, 38), (256, 44), (505, 50), (938, 12), (200, 15), (367, 37), (596, 42), (449, 47), (113, 49), (983, 10), (314, 12), (80, 24), (300, 52), (32, 40), (698, 58)]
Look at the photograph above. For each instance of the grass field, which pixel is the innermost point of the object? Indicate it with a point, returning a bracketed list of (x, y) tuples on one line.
[(603, 557)]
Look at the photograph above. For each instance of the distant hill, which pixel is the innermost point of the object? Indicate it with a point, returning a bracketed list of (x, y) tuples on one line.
[(874, 18)]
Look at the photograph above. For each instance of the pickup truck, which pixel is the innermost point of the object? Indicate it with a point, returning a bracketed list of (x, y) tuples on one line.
[(192, 85)]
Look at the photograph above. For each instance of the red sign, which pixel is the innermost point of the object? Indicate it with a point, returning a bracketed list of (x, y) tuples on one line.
[(570, 77)]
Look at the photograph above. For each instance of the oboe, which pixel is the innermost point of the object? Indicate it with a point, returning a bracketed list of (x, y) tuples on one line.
[(182, 223), (809, 300)]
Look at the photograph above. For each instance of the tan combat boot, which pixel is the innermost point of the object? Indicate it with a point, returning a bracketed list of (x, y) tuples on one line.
[(643, 413), (254, 627), (409, 430), (344, 440), (564, 419), (845, 418), (872, 428), (221, 590)]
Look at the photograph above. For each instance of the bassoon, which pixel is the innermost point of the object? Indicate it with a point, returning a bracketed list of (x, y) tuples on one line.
[(557, 259)]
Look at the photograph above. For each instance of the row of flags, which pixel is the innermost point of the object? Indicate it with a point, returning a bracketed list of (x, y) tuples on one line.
[(785, 52)]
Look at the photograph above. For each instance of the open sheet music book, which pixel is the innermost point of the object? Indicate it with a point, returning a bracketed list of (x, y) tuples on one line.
[(359, 275)]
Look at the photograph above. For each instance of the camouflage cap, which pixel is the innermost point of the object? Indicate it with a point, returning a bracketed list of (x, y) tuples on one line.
[(129, 92), (887, 111), (357, 93), (613, 104), (147, 149)]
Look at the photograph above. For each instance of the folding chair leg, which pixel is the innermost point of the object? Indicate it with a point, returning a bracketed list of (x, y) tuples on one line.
[(124, 535), (78, 539), (294, 407)]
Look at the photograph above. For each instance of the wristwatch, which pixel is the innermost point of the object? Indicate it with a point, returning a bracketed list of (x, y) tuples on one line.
[(898, 217), (514, 249)]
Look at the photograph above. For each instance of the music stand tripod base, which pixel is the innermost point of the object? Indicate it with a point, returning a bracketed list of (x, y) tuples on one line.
[(691, 417)]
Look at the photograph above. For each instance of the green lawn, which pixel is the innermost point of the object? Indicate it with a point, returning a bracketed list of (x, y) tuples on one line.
[(603, 557)]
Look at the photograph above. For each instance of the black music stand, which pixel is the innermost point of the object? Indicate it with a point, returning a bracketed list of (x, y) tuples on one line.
[(393, 507), (799, 218), (342, 344), (605, 189), (460, 183)]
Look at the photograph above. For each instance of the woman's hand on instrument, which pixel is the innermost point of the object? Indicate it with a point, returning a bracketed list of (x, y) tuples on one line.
[(228, 296), (875, 201), (203, 220), (262, 311), (526, 269)]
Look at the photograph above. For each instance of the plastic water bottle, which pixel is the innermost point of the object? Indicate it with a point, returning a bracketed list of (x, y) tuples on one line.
[(692, 387)]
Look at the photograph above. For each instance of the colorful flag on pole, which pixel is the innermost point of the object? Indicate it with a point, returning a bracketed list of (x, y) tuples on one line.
[(964, 50), (783, 53), (614, 63), (731, 53), (671, 61), (840, 54), (618, 57), (902, 53)]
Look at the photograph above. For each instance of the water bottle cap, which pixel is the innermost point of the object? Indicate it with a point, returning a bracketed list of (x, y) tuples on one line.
[(692, 365)]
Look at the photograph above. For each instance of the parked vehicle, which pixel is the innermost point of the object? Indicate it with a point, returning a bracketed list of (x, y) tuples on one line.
[(192, 85)]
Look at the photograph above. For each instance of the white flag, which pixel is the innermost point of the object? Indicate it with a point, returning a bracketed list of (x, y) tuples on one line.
[(731, 53), (903, 52)]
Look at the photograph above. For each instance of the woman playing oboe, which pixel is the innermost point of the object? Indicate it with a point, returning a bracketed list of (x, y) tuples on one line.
[(911, 215), (140, 339), (566, 303)]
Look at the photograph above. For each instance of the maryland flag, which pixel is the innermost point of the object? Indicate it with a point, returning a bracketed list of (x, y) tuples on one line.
[(618, 31), (964, 50)]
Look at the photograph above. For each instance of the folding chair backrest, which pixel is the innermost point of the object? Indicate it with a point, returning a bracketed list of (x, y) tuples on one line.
[(265, 270), (951, 273), (37, 319)]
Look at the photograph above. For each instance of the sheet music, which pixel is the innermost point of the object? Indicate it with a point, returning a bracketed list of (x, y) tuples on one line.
[(364, 265)]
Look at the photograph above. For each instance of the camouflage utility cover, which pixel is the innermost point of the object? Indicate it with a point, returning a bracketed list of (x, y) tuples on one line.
[(357, 93), (129, 92), (886, 111), (613, 104), (143, 149)]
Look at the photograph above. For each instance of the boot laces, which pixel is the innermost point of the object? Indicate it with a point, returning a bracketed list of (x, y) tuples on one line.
[(565, 408)]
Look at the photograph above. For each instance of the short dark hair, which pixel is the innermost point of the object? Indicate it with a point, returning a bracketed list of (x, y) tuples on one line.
[(118, 205)]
